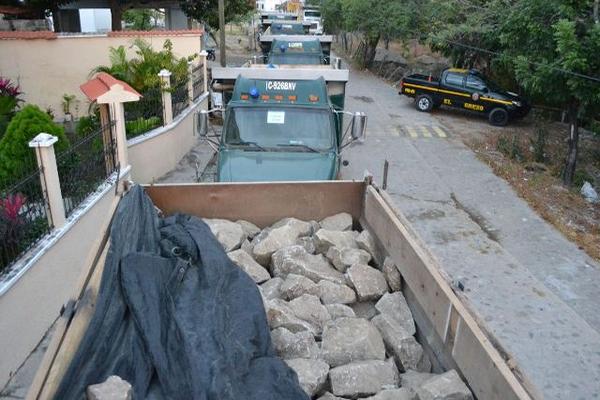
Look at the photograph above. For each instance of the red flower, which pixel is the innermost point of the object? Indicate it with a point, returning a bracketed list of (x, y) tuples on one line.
[(12, 205)]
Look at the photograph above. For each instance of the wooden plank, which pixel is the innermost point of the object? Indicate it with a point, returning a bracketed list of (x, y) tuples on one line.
[(76, 329), (261, 203), (486, 371), (96, 252)]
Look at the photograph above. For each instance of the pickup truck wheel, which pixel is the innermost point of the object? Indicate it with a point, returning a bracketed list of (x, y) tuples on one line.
[(424, 103), (498, 117)]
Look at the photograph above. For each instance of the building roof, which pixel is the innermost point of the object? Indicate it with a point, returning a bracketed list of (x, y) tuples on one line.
[(102, 84)]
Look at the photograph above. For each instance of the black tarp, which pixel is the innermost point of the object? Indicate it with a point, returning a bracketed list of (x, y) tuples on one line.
[(175, 317)]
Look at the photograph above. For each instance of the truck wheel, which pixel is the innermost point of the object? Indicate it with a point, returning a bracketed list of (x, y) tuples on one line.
[(424, 103), (498, 117)]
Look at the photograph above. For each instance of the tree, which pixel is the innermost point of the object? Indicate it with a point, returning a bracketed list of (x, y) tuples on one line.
[(15, 154), (553, 45), (207, 10), (144, 19), (373, 19)]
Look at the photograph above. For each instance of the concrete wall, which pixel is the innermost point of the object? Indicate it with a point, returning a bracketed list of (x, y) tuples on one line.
[(47, 68), (157, 152), (32, 304)]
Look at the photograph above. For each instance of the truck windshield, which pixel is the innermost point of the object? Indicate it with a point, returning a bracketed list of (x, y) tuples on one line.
[(313, 14), (279, 127)]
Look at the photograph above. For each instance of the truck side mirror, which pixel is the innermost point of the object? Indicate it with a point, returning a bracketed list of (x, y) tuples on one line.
[(359, 125), (202, 123)]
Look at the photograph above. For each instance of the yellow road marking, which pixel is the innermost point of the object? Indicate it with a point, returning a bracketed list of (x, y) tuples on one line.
[(439, 131), (425, 131), (411, 131)]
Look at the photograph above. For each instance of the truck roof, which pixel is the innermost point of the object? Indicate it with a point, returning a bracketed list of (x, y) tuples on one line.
[(329, 74), (280, 92), (297, 38)]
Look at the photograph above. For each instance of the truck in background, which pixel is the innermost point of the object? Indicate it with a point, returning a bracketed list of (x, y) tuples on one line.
[(467, 90), (281, 124), (266, 42), (313, 15)]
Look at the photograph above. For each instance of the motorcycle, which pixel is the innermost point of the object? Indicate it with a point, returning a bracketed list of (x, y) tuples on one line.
[(211, 54)]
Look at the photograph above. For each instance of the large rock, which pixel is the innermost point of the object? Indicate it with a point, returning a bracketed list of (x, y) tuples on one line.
[(364, 309), (309, 308), (290, 345), (351, 339), (329, 396), (284, 233), (271, 289), (393, 394), (366, 242), (343, 258), (229, 234), (447, 386), (392, 275), (399, 343), (113, 388), (363, 378), (249, 228), (332, 293), (243, 260), (369, 283), (308, 242), (412, 380), (340, 311), (394, 305), (279, 314), (312, 374), (589, 193), (324, 239), (296, 285), (296, 260), (337, 222)]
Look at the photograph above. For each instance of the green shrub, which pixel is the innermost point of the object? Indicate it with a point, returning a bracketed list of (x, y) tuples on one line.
[(15, 153), (141, 125)]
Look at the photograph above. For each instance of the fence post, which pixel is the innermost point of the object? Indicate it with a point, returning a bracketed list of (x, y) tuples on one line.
[(117, 112), (203, 55), (190, 83), (165, 77), (46, 159)]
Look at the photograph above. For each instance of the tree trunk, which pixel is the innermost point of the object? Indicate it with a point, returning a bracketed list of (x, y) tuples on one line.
[(370, 50), (571, 161), (116, 14), (596, 6)]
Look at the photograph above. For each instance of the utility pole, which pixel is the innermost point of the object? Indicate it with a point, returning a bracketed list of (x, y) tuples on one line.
[(222, 31)]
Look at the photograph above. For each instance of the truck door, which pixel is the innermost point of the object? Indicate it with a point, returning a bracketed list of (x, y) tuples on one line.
[(453, 89), (476, 88)]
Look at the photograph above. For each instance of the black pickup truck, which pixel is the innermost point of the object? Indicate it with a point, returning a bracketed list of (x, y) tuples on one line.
[(465, 89)]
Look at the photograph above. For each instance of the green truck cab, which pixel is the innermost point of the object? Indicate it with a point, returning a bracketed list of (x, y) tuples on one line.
[(268, 43), (281, 125), (292, 52), (467, 90)]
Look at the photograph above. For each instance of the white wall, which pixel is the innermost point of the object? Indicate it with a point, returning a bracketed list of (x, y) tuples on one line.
[(95, 20)]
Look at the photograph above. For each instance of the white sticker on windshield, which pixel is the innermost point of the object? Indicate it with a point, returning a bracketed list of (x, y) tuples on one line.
[(276, 117)]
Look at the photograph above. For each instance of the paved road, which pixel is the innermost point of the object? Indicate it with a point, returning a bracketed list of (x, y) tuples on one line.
[(535, 289)]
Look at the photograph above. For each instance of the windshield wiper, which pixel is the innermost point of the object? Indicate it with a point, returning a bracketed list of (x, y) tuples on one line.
[(301, 145), (251, 144)]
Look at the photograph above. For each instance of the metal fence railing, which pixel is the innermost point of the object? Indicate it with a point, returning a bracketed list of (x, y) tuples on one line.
[(198, 80), (144, 115), (24, 216), (85, 165), (179, 97)]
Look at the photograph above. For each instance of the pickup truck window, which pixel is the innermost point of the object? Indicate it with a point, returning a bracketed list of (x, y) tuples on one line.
[(269, 127), (475, 83), (455, 79)]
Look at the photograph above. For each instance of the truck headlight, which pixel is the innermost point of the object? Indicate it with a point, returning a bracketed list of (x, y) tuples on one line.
[(517, 103)]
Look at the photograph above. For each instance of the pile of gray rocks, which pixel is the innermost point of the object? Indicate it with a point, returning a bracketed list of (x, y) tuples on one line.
[(335, 309)]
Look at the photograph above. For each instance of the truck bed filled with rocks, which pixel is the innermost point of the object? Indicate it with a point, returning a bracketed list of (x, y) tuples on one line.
[(336, 311)]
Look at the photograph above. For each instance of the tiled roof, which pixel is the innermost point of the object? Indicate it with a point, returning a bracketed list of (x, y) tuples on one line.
[(101, 84), (27, 35)]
